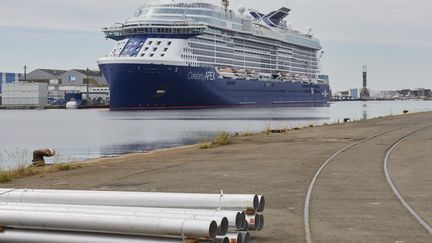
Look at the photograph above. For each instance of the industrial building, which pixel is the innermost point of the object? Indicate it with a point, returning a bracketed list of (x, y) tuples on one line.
[(64, 77), (44, 75), (80, 77), (8, 78), (25, 94), (89, 84)]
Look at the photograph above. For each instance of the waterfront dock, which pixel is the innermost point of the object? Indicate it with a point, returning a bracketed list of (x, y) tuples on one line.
[(335, 183)]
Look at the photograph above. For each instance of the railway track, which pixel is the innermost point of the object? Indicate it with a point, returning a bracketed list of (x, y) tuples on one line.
[(425, 224), (307, 227)]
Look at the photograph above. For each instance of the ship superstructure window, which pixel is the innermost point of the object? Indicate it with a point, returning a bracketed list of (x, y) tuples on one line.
[(150, 42), (151, 55), (155, 49), (166, 49), (169, 43), (159, 42)]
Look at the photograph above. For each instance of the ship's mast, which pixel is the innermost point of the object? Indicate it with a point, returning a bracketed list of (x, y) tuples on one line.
[(225, 4)]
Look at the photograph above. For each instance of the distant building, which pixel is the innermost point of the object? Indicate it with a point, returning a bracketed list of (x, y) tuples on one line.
[(25, 94), (80, 77), (419, 93), (44, 75), (354, 93), (64, 77), (6, 78), (422, 93)]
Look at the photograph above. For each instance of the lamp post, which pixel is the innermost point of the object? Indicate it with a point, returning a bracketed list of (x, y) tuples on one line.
[(88, 81)]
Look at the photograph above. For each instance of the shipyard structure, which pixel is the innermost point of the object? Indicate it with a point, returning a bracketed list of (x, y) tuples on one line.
[(44, 87), (190, 53)]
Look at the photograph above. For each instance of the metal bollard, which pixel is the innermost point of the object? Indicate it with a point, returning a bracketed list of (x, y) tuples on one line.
[(38, 156)]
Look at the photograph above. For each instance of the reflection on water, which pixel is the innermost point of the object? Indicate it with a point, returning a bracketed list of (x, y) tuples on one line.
[(365, 111), (82, 134)]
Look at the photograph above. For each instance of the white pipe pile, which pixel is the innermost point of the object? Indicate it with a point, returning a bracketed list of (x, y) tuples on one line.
[(34, 216)]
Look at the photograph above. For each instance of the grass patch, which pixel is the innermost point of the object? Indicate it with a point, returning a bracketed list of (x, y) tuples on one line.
[(63, 167), (220, 139), (23, 168), (20, 172), (5, 176)]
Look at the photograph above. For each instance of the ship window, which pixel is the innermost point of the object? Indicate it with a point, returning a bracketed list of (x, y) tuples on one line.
[(150, 42), (143, 54), (151, 55), (159, 42), (141, 43), (166, 49), (169, 43), (138, 48), (155, 49), (146, 49), (162, 55)]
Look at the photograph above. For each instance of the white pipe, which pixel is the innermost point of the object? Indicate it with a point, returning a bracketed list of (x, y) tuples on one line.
[(246, 238), (110, 224), (222, 239), (235, 237), (262, 202), (241, 202), (222, 222), (43, 236), (261, 227), (246, 227), (253, 221), (235, 219)]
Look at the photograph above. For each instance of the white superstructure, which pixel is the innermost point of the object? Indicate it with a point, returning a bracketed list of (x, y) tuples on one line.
[(243, 44)]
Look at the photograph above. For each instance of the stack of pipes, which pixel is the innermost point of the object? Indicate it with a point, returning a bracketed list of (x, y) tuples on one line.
[(48, 216)]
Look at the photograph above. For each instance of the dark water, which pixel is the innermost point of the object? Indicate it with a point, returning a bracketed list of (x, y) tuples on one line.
[(82, 134)]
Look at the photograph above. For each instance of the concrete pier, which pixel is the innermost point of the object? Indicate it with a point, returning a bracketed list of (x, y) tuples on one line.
[(351, 201)]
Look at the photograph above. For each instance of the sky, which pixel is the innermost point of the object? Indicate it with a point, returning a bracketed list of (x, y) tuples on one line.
[(392, 37)]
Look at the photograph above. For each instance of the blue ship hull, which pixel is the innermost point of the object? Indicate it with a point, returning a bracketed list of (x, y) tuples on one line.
[(146, 86)]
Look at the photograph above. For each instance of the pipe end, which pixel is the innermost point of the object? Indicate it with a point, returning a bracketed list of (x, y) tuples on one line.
[(262, 203), (224, 226), (213, 229)]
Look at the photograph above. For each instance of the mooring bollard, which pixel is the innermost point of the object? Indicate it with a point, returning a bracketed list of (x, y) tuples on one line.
[(347, 119), (38, 156)]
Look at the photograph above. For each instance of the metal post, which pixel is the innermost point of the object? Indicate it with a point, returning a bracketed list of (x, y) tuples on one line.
[(25, 72), (88, 81)]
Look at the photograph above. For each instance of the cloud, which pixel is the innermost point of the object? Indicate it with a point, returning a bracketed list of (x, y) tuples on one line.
[(82, 15)]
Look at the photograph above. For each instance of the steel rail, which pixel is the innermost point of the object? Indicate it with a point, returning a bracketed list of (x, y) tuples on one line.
[(394, 188), (314, 179)]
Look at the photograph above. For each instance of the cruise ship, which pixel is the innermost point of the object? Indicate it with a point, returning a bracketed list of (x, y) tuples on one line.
[(201, 54)]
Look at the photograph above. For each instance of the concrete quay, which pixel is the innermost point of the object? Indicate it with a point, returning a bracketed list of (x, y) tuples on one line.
[(351, 200)]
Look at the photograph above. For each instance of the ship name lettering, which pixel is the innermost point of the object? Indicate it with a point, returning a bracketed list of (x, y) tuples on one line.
[(202, 76)]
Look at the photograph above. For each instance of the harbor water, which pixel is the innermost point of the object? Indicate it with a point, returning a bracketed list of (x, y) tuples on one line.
[(84, 134)]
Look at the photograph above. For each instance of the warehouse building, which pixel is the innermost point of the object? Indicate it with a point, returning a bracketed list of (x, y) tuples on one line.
[(44, 75), (80, 77), (25, 94)]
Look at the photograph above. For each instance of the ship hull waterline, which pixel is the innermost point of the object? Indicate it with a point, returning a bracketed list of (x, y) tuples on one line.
[(150, 86)]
